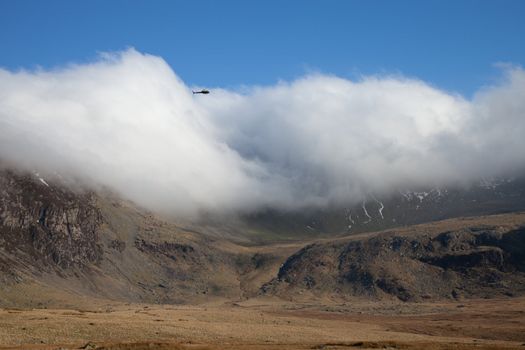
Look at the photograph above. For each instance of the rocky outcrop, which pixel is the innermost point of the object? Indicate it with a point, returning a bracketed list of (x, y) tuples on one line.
[(475, 262), (54, 225), (174, 251)]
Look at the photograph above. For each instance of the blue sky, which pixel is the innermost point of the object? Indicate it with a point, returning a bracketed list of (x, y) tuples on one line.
[(453, 45)]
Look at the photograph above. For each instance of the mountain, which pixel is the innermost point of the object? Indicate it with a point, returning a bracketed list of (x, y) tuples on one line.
[(60, 243), (402, 208), (58, 240)]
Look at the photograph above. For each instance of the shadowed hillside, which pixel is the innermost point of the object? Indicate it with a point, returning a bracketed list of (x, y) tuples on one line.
[(475, 261)]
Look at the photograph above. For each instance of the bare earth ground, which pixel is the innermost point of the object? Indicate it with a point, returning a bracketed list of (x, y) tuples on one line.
[(270, 324)]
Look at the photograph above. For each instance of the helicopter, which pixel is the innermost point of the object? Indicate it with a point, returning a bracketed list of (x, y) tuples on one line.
[(203, 91)]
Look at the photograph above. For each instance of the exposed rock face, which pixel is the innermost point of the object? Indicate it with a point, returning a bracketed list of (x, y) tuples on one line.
[(49, 223), (174, 251), (476, 262)]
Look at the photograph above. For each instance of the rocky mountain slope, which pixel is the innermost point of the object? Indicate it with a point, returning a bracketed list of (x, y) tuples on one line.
[(472, 261), (80, 242), (402, 208), (59, 244)]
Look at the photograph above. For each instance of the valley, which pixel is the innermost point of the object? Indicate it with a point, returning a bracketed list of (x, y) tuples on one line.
[(88, 270)]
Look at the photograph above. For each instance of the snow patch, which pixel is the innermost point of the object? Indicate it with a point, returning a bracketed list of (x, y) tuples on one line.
[(41, 179), (381, 207), (409, 195), (381, 210), (366, 213), (421, 195)]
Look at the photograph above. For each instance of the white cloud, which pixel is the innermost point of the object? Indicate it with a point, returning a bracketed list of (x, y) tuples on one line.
[(129, 123)]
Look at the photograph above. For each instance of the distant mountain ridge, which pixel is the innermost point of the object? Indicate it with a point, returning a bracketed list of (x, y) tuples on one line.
[(402, 208)]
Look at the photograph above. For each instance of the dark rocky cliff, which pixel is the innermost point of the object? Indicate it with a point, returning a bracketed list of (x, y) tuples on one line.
[(49, 224)]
